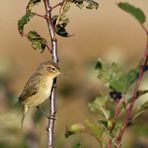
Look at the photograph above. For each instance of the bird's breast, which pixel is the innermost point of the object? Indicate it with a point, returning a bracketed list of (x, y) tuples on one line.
[(46, 87), (43, 93)]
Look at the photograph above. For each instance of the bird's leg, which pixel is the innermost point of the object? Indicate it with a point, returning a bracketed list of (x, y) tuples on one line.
[(24, 112), (42, 112)]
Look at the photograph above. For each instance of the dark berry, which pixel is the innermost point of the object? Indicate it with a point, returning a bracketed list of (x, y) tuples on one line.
[(115, 95), (146, 68)]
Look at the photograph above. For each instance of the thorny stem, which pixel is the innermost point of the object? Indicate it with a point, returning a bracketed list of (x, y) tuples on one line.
[(134, 97), (52, 107)]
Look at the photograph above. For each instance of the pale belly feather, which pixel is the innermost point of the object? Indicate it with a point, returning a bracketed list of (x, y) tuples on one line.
[(42, 94)]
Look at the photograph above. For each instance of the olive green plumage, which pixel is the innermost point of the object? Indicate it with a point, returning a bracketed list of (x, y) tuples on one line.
[(38, 87)]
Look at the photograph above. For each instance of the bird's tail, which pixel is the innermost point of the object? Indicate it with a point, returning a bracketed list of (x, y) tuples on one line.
[(24, 112)]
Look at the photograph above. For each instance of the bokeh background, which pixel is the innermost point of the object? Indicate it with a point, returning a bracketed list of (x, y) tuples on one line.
[(107, 33)]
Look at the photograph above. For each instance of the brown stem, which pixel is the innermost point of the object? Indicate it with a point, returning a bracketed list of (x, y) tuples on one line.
[(124, 103), (134, 97), (50, 50), (59, 4), (39, 15), (116, 108), (109, 143), (116, 112), (52, 107), (143, 27)]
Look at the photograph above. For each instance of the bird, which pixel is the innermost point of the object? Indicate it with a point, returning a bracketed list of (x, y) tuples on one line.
[(38, 87)]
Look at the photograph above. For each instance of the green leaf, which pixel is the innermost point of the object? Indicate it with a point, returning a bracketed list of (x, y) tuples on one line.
[(23, 21), (66, 8), (107, 73), (136, 12), (54, 19), (98, 105), (139, 110), (115, 77), (78, 145), (73, 129), (60, 30), (126, 79), (95, 130), (104, 123), (108, 125), (61, 21), (88, 127), (103, 71), (98, 65), (61, 26), (37, 41), (31, 4), (90, 4), (141, 93), (78, 3)]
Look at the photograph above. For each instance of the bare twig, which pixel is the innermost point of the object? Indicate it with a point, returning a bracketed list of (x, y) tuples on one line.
[(59, 4), (42, 112), (39, 15), (52, 107), (50, 50)]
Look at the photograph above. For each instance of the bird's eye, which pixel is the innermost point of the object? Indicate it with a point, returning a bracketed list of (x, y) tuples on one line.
[(53, 69)]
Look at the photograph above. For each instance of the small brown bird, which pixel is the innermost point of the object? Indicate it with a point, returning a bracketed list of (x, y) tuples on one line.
[(38, 87)]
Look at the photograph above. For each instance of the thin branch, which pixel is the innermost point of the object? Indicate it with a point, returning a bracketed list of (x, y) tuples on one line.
[(124, 103), (50, 50), (109, 143), (42, 112), (52, 106), (134, 97), (59, 4), (116, 108), (145, 30), (61, 11), (39, 15)]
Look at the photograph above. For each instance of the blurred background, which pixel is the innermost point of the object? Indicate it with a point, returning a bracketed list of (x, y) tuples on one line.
[(107, 33)]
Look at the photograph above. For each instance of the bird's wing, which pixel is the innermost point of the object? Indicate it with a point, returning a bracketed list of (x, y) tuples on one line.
[(31, 88)]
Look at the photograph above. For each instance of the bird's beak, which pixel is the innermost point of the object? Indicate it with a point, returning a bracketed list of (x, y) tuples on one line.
[(62, 73)]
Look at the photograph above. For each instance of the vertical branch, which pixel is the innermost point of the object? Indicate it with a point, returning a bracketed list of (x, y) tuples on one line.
[(52, 106), (132, 101), (134, 97)]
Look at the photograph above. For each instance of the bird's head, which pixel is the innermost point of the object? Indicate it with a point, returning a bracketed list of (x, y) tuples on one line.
[(49, 68)]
